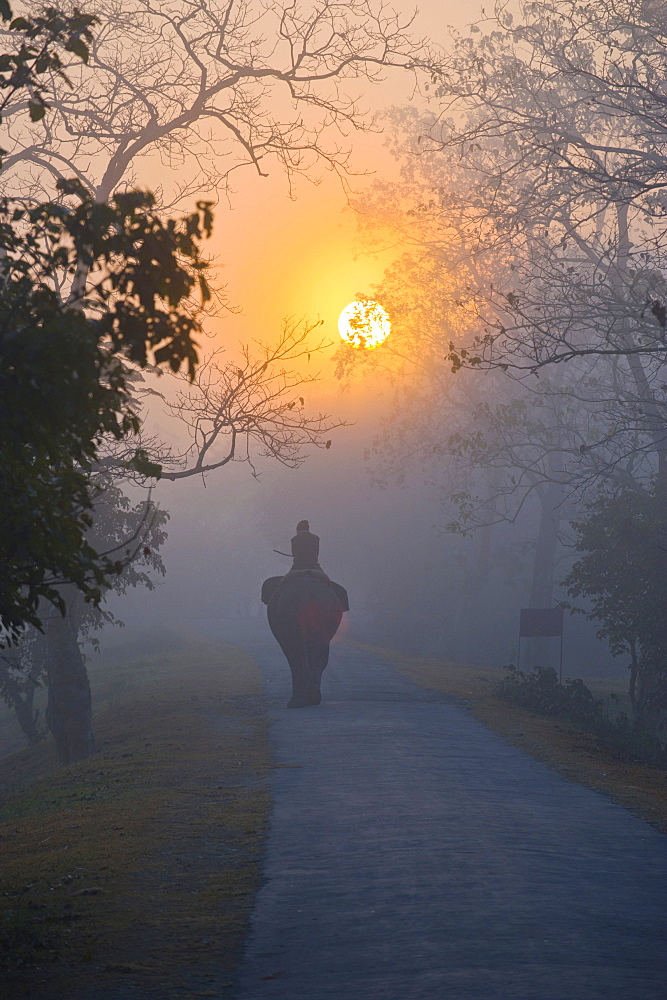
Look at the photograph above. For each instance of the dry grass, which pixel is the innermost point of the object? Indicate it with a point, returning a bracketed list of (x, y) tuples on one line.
[(564, 746), (139, 865)]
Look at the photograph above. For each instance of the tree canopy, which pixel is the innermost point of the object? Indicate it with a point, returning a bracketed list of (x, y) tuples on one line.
[(87, 290), (621, 568), (66, 352)]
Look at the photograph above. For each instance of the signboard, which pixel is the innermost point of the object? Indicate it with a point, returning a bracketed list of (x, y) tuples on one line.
[(534, 622), (540, 622)]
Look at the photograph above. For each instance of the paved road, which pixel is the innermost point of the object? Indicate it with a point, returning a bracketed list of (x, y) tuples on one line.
[(413, 854)]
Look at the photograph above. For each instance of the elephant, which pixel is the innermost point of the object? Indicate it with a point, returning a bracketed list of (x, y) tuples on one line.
[(304, 610)]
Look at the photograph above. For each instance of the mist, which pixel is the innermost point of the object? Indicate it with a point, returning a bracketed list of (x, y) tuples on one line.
[(333, 647), (413, 581)]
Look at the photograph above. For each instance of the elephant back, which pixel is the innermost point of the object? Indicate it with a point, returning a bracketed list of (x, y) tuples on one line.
[(305, 603)]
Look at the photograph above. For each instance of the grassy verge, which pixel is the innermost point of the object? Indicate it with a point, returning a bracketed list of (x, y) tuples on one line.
[(570, 749), (135, 870)]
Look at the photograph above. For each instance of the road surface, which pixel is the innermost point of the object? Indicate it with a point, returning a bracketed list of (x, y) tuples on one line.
[(414, 855)]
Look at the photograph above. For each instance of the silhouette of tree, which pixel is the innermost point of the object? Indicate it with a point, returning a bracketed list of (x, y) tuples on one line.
[(208, 89)]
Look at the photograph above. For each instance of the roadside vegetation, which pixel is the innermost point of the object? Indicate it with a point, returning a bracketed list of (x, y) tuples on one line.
[(540, 691), (137, 868)]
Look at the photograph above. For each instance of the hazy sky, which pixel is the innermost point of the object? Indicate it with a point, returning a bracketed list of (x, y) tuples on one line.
[(302, 257)]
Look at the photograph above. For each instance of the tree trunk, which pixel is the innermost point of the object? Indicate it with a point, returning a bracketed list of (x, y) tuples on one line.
[(634, 671), (468, 608), (69, 709), (26, 714), (22, 698), (539, 651), (544, 560)]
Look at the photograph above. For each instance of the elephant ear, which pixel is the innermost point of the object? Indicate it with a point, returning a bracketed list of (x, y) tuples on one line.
[(269, 588), (341, 594)]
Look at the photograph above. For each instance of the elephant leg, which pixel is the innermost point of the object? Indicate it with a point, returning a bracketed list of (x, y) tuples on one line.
[(305, 684), (314, 671), (300, 696), (290, 642), (298, 668), (319, 658)]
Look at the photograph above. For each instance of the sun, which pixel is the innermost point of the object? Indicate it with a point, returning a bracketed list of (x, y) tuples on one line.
[(364, 324)]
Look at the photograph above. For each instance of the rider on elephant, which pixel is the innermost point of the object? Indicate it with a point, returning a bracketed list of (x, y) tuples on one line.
[(305, 549), (304, 609)]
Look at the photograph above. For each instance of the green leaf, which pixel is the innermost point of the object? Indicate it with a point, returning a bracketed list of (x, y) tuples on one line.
[(5, 11), (37, 110), (19, 24), (141, 463), (79, 48), (204, 289)]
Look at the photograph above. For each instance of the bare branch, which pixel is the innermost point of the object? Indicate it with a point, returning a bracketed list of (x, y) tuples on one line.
[(241, 412)]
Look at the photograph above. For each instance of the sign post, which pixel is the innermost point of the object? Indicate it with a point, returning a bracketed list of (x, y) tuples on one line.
[(540, 622)]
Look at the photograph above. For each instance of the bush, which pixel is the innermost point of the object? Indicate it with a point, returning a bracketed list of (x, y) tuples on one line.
[(630, 742), (540, 691)]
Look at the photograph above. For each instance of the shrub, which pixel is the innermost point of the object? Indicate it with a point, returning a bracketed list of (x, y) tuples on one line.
[(541, 692)]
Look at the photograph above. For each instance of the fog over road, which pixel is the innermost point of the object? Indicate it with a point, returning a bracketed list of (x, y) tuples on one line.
[(414, 855)]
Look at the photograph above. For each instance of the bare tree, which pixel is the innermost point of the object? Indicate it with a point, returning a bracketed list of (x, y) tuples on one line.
[(210, 87), (540, 179), (499, 450), (207, 88), (558, 118), (242, 411), (253, 408)]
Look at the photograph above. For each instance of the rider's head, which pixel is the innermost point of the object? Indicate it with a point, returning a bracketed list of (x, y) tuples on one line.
[(303, 526)]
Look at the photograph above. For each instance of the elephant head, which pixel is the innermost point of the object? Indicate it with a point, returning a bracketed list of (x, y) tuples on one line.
[(304, 610)]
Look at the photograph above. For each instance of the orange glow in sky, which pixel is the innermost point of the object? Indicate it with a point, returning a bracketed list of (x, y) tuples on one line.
[(297, 253), (300, 258)]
